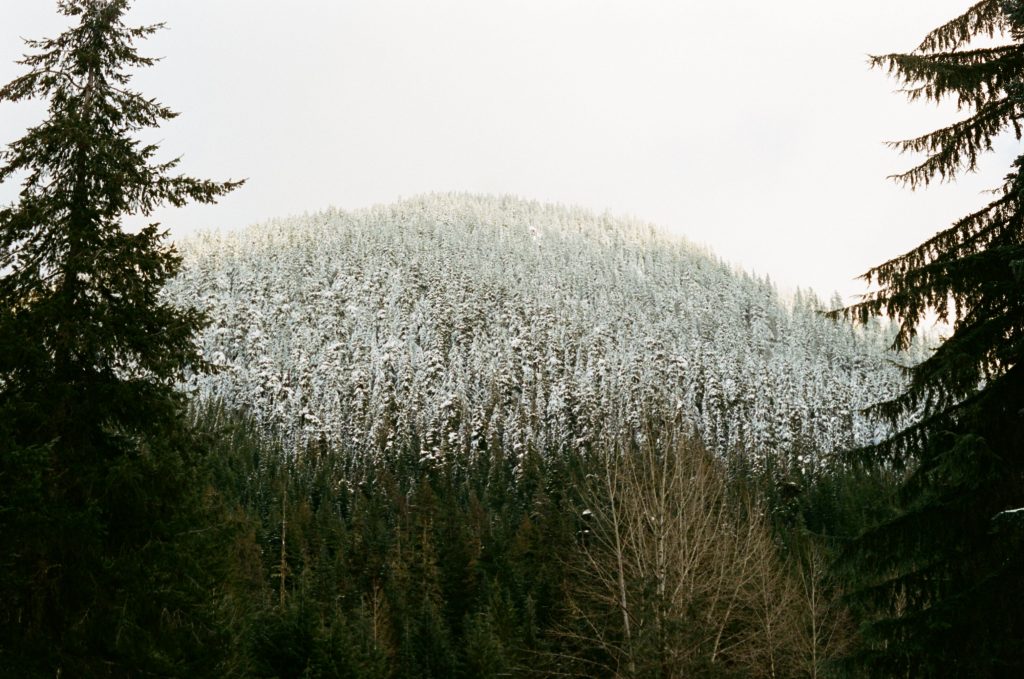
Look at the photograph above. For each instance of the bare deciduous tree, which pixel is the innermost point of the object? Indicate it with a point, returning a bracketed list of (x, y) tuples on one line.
[(682, 579)]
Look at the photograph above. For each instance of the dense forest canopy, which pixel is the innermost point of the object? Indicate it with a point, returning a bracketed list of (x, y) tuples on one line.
[(466, 321), (469, 436)]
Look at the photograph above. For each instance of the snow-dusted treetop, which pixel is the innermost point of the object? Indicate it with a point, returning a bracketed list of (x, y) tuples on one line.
[(457, 322)]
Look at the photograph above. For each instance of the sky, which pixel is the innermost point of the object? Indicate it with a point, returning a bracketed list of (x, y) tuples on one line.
[(753, 128)]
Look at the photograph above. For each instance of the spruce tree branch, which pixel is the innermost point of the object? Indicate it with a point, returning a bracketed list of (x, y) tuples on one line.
[(983, 18)]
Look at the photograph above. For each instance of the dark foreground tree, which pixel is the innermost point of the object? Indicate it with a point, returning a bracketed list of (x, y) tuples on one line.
[(941, 581), (103, 566)]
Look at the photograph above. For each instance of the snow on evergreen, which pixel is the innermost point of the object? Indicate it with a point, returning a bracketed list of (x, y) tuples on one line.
[(454, 323)]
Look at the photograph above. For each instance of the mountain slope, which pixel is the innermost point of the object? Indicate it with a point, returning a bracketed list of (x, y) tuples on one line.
[(454, 323)]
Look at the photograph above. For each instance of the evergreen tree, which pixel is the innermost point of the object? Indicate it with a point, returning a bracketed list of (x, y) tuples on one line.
[(101, 539), (940, 579)]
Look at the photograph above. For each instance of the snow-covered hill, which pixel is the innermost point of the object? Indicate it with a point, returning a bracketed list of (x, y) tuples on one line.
[(455, 323)]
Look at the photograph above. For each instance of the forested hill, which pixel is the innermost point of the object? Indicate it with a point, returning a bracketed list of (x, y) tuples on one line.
[(449, 323)]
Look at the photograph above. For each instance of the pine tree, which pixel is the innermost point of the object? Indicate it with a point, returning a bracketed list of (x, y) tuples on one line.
[(940, 580), (100, 508)]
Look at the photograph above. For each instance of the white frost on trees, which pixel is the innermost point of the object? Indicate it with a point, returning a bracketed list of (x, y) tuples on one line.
[(455, 323)]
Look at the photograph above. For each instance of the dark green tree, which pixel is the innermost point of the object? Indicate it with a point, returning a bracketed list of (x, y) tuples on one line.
[(940, 579), (102, 540)]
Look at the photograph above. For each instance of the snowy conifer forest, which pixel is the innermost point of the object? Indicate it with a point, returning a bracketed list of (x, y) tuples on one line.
[(454, 323), (471, 436)]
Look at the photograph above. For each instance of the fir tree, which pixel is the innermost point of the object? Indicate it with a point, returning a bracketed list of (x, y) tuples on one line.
[(100, 507), (940, 579)]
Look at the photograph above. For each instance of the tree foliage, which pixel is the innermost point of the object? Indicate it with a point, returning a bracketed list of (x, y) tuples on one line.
[(478, 569), (100, 507), (467, 321), (940, 578)]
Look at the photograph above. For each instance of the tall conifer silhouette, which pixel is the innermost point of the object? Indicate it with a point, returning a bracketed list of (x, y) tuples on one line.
[(99, 496), (941, 580)]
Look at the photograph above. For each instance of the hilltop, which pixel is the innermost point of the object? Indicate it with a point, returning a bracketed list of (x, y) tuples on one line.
[(454, 323)]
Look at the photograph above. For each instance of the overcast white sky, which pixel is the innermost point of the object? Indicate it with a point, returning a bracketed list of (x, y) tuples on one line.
[(754, 128)]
